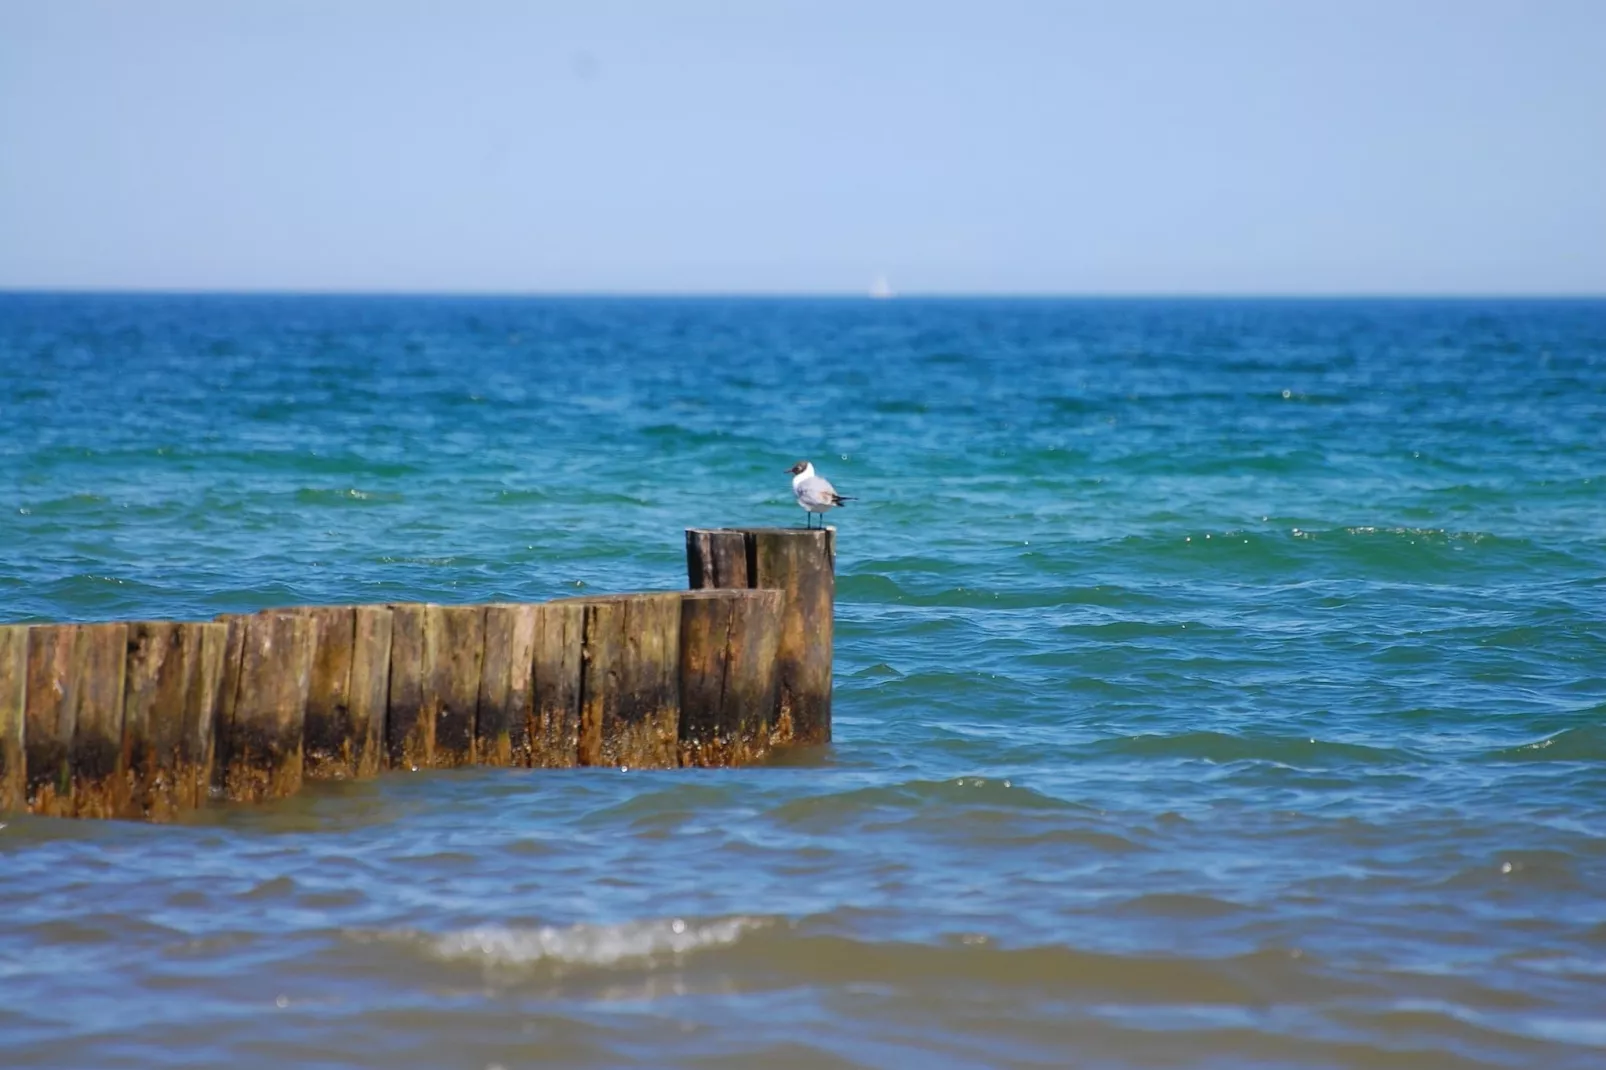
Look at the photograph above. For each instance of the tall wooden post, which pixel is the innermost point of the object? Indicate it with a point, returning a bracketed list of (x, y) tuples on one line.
[(802, 564), (13, 709)]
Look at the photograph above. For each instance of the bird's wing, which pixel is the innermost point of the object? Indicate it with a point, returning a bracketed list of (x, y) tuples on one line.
[(816, 491)]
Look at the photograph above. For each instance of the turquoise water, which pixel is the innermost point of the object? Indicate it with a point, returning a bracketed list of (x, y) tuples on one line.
[(1218, 683)]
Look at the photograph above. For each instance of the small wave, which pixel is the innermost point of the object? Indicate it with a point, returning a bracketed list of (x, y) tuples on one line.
[(1224, 747), (915, 796), (1583, 744), (646, 942), (343, 496)]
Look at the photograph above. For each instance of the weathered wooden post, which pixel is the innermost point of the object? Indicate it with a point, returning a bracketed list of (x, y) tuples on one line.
[(170, 701), (74, 719), (802, 564), (555, 702), (454, 651), (13, 709), (506, 711), (728, 674), (53, 672), (630, 681), (409, 723), (262, 736), (203, 709), (327, 747), (718, 558), (344, 730), (370, 687)]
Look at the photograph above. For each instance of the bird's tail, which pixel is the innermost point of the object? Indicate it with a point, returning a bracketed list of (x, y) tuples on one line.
[(840, 498)]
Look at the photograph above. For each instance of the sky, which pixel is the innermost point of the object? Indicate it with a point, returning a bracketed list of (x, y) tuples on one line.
[(769, 146)]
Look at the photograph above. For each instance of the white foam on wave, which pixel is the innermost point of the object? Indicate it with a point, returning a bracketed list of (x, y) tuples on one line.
[(644, 942)]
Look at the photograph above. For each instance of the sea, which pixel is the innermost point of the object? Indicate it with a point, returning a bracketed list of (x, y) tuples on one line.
[(1218, 683)]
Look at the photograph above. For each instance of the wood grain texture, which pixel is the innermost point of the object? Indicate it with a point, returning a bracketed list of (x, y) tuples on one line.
[(630, 681), (728, 675), (409, 721), (802, 564), (506, 712), (100, 786), (329, 747), (73, 719), (454, 651), (203, 710), (262, 754), (234, 625), (556, 670), (370, 687), (163, 660), (717, 558), (54, 668), (13, 712)]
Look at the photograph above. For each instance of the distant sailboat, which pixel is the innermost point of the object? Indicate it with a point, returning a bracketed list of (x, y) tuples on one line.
[(880, 289)]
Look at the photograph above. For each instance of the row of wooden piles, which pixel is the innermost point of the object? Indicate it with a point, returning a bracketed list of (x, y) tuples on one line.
[(151, 718)]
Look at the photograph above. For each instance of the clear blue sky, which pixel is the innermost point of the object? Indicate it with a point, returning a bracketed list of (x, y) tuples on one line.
[(1197, 146)]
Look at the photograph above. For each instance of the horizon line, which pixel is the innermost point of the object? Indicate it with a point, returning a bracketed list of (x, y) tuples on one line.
[(831, 295)]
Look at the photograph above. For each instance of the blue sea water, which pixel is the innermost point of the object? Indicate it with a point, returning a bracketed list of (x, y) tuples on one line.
[(1218, 683)]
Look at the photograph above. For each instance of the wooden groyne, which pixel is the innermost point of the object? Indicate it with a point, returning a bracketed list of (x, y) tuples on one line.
[(148, 719)]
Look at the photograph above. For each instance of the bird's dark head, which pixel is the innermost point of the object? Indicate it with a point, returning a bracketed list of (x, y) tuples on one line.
[(798, 468)]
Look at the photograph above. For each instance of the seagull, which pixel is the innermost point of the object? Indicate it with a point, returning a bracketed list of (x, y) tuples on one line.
[(813, 493)]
